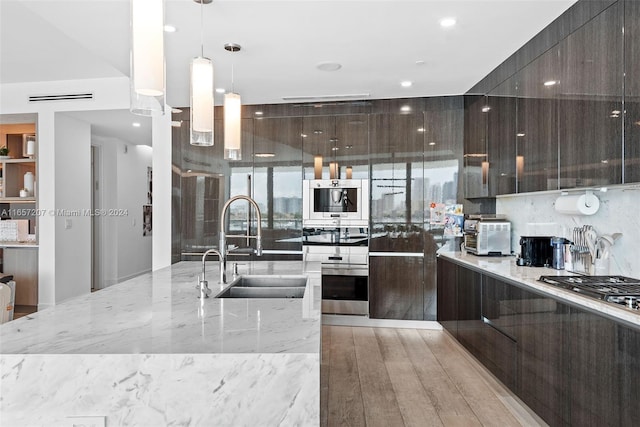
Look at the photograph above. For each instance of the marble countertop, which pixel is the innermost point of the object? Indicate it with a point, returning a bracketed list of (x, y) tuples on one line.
[(505, 268), (159, 313)]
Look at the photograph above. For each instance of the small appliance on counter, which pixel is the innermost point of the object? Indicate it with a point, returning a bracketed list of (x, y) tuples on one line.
[(487, 235), (535, 251)]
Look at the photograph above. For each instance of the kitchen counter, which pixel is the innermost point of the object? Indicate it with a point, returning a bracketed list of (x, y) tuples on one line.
[(147, 352), (505, 268)]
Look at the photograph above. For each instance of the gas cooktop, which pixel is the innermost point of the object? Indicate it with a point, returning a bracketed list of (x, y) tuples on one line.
[(614, 289)]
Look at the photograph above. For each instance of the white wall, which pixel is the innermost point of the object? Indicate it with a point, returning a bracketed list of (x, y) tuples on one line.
[(72, 199), (533, 214), (123, 188), (109, 94), (134, 249)]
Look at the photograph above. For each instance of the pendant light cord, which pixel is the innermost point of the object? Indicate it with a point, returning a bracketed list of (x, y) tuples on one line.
[(202, 28)]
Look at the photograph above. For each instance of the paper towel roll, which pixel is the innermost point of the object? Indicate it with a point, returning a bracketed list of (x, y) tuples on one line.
[(585, 204)]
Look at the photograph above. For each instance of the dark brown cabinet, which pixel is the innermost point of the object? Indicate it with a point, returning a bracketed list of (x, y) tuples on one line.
[(476, 161), (537, 124), (569, 365), (590, 102), (448, 296), (396, 287), (501, 136), (632, 91)]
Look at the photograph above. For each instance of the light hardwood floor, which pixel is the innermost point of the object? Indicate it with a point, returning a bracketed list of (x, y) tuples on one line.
[(409, 377)]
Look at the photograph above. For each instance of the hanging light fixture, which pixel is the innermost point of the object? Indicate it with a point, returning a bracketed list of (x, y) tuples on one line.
[(201, 92), (147, 57), (232, 117)]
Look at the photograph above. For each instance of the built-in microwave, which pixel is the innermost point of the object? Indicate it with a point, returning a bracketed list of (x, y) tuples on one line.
[(335, 202)]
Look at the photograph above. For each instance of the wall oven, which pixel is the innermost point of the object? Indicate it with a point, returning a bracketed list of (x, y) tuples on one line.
[(335, 202), (345, 277)]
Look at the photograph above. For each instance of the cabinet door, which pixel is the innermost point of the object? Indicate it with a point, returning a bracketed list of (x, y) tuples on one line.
[(595, 392), (469, 285), (628, 359), (396, 287), (447, 296), (590, 106), (501, 135), (541, 328), (632, 91), (498, 344), (476, 162), (537, 124)]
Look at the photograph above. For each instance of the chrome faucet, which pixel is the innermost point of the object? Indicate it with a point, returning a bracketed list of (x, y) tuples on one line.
[(223, 236), (203, 285)]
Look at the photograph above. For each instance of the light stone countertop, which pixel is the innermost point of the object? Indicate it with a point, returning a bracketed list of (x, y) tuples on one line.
[(505, 268), (159, 313)]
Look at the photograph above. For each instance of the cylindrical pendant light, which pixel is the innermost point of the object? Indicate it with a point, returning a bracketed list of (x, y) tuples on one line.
[(201, 101), (334, 170), (232, 117), (147, 57), (317, 167), (201, 92), (349, 172), (232, 126)]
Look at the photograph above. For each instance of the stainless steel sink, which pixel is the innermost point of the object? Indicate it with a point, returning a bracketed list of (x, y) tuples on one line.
[(280, 286)]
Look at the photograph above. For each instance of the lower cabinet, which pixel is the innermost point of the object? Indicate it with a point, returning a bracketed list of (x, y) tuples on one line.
[(570, 366), (396, 287)]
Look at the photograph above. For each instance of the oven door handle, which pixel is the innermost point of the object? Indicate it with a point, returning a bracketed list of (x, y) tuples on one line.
[(345, 271)]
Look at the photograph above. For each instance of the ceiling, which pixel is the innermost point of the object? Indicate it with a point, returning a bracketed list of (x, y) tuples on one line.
[(377, 43)]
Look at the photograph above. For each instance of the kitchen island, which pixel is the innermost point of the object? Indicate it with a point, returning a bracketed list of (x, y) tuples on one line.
[(149, 352)]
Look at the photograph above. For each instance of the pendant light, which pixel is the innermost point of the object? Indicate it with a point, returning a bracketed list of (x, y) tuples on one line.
[(147, 79), (232, 117), (201, 93)]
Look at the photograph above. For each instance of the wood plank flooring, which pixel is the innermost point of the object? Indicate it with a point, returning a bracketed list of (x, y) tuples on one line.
[(409, 377)]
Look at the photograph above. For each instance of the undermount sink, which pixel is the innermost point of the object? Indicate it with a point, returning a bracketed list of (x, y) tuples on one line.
[(281, 286)]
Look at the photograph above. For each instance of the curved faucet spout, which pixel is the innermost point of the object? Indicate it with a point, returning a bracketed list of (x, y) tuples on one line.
[(223, 236), (203, 285)]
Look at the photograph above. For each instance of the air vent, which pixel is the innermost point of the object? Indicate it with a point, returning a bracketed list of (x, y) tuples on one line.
[(62, 97), (337, 96)]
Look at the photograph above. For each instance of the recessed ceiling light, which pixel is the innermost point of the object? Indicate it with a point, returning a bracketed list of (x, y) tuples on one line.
[(328, 66), (520, 134), (258, 113), (420, 62), (447, 22), (170, 29), (405, 108), (432, 143), (406, 83), (136, 124), (486, 109), (550, 82), (420, 129), (265, 155), (220, 90)]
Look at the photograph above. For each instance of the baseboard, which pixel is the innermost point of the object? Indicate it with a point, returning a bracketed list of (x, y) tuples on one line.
[(364, 321)]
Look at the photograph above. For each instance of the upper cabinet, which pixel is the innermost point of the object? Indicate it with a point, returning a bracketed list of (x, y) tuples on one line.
[(631, 168), (18, 165), (590, 102), (568, 118), (536, 157), (476, 160)]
